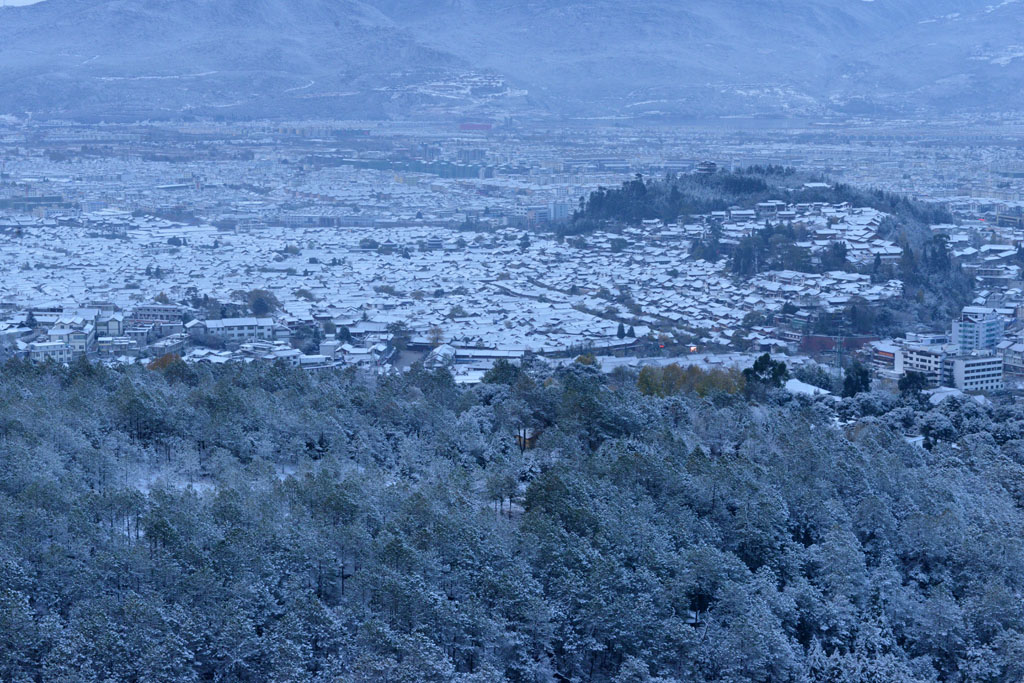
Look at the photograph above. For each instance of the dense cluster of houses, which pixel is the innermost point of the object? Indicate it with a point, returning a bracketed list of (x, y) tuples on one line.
[(505, 289), (353, 231)]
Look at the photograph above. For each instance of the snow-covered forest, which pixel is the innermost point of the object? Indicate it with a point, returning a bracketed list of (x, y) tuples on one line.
[(257, 523)]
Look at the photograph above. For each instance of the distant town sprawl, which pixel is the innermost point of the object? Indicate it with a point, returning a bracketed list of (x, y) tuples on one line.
[(335, 244)]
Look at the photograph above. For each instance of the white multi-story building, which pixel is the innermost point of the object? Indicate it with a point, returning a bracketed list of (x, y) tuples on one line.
[(158, 313), (242, 329), (925, 359), (79, 340), (945, 365), (40, 352), (977, 330), (979, 371)]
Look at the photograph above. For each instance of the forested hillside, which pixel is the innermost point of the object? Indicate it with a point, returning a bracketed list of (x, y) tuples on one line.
[(690, 194), (256, 523)]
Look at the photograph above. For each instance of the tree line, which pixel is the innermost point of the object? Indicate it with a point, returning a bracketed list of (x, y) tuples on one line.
[(250, 523)]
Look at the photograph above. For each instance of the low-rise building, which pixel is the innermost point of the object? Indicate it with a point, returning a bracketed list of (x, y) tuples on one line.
[(925, 359), (110, 324), (57, 351), (976, 372), (242, 329), (883, 356), (166, 313), (1013, 357), (115, 346)]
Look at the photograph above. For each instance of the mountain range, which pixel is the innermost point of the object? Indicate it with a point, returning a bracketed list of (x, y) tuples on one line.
[(374, 59)]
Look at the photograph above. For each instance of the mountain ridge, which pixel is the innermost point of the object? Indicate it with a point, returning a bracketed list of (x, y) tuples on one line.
[(413, 58)]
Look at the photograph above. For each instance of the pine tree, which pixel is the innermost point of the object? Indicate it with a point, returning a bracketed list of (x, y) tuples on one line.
[(857, 379)]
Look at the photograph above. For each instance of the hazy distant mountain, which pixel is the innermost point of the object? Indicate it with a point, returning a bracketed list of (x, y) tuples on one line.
[(139, 58), (396, 58), (738, 56)]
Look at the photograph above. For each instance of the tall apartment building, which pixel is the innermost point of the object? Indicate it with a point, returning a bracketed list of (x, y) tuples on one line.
[(977, 330)]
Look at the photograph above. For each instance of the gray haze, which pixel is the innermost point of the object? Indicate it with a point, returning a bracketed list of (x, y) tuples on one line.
[(407, 58)]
